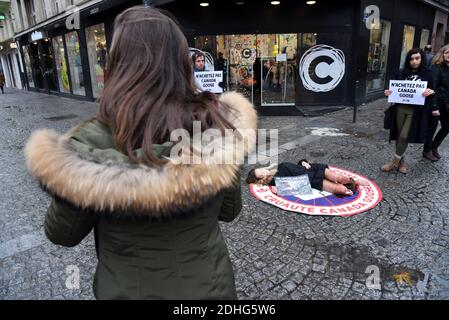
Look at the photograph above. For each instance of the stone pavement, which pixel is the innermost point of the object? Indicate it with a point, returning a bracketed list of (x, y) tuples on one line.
[(276, 254)]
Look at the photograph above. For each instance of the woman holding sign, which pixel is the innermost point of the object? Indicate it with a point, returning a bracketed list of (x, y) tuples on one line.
[(409, 122), (441, 81)]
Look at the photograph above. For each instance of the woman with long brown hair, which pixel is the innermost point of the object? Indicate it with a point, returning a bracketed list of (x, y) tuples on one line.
[(155, 220), (440, 72)]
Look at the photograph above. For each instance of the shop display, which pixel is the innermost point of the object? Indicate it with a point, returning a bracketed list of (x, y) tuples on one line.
[(28, 68), (407, 42), (76, 70), (377, 57), (61, 64), (243, 56), (96, 50)]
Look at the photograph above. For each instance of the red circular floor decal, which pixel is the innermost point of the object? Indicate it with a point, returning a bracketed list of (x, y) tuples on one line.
[(322, 203)]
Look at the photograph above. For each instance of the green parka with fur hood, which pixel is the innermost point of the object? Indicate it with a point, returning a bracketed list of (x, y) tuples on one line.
[(156, 230)]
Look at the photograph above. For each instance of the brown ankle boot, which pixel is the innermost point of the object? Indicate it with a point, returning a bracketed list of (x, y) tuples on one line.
[(402, 168), (392, 165)]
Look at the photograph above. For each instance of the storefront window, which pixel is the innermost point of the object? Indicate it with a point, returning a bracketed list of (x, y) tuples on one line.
[(407, 42), (29, 72), (36, 65), (261, 67), (61, 64), (425, 35), (49, 65), (377, 57), (96, 49), (264, 67), (76, 70), (241, 50), (277, 54)]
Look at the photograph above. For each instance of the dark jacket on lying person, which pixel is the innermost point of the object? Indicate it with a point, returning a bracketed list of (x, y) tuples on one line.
[(289, 169)]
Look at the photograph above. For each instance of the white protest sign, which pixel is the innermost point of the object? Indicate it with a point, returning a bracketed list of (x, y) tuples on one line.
[(293, 186), (209, 81), (407, 92), (281, 57)]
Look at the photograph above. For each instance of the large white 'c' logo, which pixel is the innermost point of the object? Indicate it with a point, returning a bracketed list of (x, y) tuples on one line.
[(329, 68)]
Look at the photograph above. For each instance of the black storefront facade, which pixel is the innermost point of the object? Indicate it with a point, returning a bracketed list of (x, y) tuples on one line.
[(281, 57), (70, 59)]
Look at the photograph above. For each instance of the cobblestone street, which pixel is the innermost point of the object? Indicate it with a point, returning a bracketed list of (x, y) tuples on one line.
[(276, 254)]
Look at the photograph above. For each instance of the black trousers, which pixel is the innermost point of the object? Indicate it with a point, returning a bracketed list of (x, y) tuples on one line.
[(431, 142), (1, 87)]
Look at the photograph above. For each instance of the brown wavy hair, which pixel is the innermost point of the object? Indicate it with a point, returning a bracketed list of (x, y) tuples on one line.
[(439, 56), (150, 89)]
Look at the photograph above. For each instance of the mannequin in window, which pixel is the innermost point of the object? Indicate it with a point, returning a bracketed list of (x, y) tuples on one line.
[(234, 64)]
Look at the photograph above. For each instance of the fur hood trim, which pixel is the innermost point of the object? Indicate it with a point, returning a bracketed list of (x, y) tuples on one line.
[(112, 186)]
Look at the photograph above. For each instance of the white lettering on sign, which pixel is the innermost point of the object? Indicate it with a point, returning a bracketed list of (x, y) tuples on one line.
[(407, 92), (209, 81), (36, 35), (281, 57), (94, 11)]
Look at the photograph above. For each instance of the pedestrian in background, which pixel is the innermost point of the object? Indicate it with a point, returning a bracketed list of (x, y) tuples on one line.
[(2, 82), (409, 122), (199, 61), (221, 64), (429, 56), (155, 221), (441, 83)]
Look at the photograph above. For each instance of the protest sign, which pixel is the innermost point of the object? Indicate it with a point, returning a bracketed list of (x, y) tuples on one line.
[(293, 186), (281, 57), (407, 92), (209, 81)]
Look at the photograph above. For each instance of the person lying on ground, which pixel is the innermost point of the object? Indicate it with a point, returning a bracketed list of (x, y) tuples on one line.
[(320, 176)]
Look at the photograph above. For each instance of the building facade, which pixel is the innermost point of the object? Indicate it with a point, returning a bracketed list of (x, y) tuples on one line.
[(281, 57), (64, 44), (10, 61)]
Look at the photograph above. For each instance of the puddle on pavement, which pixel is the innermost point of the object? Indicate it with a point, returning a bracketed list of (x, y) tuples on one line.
[(356, 259), (357, 134)]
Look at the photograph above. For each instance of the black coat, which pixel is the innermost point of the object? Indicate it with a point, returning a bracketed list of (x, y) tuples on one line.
[(421, 114), (315, 173), (441, 82)]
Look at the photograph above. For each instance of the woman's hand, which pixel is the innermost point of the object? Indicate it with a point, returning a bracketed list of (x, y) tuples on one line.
[(274, 190), (388, 92), (305, 165), (436, 113), (428, 92)]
